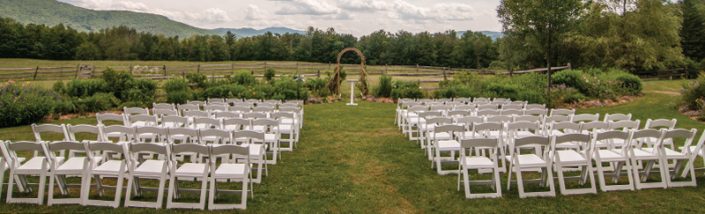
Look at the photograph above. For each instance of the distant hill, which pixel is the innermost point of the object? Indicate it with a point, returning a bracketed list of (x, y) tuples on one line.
[(51, 12), (247, 32)]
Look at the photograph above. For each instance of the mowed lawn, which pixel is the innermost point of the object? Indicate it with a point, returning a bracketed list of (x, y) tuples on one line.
[(354, 160)]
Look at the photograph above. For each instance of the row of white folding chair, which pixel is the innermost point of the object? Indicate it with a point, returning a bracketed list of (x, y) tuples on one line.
[(551, 157), (128, 165)]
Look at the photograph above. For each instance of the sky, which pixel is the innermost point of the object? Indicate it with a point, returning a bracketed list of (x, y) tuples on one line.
[(357, 17)]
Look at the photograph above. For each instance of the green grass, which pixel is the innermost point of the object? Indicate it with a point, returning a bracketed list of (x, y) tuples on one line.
[(354, 160)]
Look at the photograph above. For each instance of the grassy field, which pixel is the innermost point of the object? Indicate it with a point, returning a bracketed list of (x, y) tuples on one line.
[(354, 160)]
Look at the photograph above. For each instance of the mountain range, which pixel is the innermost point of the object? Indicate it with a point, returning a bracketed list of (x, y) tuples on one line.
[(52, 12)]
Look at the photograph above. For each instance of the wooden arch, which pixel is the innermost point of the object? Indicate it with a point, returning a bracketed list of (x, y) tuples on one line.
[(334, 83)]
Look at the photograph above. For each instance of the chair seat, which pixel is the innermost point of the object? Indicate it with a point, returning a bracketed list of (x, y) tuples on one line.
[(439, 136), (72, 164), (610, 155), (34, 163), (644, 153), (110, 167), (529, 160), (231, 170), (191, 169), (477, 162), (270, 137), (150, 168), (570, 157), (521, 134), (287, 129), (448, 145), (692, 149), (671, 154)]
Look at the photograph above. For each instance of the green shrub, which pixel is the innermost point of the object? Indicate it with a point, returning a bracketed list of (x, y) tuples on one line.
[(452, 90), (243, 78), (177, 91), (317, 86), (629, 84), (84, 88), (269, 74), (385, 86), (225, 91), (22, 105), (197, 79), (97, 102), (118, 82), (693, 91), (142, 91), (406, 89), (571, 78), (566, 95), (260, 91), (287, 88), (59, 87)]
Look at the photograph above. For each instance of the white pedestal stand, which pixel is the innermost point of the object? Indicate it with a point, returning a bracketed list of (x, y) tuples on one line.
[(352, 93)]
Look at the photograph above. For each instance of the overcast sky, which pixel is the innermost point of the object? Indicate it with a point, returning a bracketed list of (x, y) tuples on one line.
[(358, 17)]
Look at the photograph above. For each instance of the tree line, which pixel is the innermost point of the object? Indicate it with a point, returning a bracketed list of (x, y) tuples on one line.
[(636, 35)]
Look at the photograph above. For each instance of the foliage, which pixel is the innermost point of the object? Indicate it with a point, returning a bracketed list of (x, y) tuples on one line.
[(693, 31), (269, 74), (197, 79), (142, 91), (177, 91), (82, 88), (243, 78), (225, 91), (21, 104), (119, 82), (385, 86), (95, 103), (286, 88), (317, 86), (692, 92), (406, 89)]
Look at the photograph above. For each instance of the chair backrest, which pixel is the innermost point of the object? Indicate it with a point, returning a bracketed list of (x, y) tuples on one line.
[(248, 136), (270, 125), (185, 134), (206, 123), (165, 112), (594, 126), (566, 127), (531, 142), (255, 115), (585, 117), (442, 108), (684, 134), (196, 102), (439, 120), (430, 114), (480, 100), (513, 107), (241, 151), (22, 147), (155, 133), (137, 148), (263, 109), (480, 143), (59, 146), (241, 109), (289, 109), (135, 111), (418, 108), (488, 112), (233, 100), (165, 106), (188, 107), (142, 120), (527, 118), (101, 147), (177, 149), (661, 124), (617, 117), (469, 107), (609, 137), (174, 121), (562, 111), (197, 114), (541, 112), (52, 130), (470, 120), (649, 137), (227, 114), (488, 107), (500, 100), (499, 119), (125, 132), (458, 113), (582, 140), (625, 125), (512, 112), (523, 126), (535, 107), (102, 118), (215, 136), (235, 124), (215, 107), (84, 130), (557, 118), (216, 100)]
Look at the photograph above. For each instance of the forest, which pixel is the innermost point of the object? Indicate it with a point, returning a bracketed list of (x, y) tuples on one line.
[(641, 36)]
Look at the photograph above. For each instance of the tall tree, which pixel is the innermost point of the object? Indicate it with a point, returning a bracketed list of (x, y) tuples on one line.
[(693, 30), (544, 20)]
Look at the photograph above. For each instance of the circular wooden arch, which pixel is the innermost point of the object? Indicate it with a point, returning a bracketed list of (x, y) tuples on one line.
[(334, 83)]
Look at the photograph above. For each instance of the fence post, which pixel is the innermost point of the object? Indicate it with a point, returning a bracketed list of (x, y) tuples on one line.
[(297, 67), (318, 74), (78, 68), (417, 67), (265, 65), (198, 68), (130, 68), (36, 70), (165, 73), (232, 67), (445, 78), (93, 71), (329, 66)]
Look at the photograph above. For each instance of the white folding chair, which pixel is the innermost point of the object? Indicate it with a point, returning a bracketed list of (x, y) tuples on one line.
[(206, 123), (187, 171), (142, 120), (643, 148), (61, 167), (147, 169), (226, 115), (121, 133), (684, 156), (161, 113), (441, 145), (48, 132), (580, 157), (5, 163), (167, 106), (229, 171), (585, 118), (35, 166), (214, 137), (237, 124), (184, 136), (563, 112), (617, 158), (258, 155), (488, 161), (287, 127), (617, 117), (183, 108), (215, 107), (114, 166), (270, 128), (81, 133), (540, 112), (519, 162), (150, 134), (428, 138), (174, 122), (197, 114), (662, 124)]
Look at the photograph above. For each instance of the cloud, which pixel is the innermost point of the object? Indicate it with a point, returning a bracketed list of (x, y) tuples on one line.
[(308, 7), (440, 12), (364, 5), (209, 16), (254, 13)]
